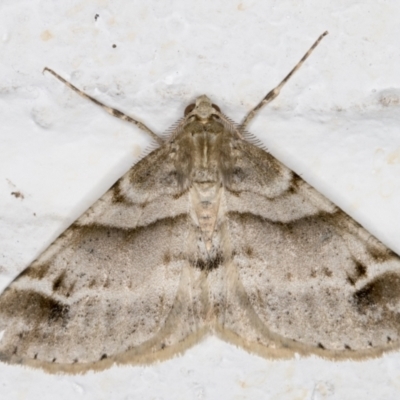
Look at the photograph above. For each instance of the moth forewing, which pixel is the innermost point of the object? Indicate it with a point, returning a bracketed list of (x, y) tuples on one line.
[(206, 234)]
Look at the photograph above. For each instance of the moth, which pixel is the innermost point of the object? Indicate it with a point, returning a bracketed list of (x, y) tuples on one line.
[(209, 233)]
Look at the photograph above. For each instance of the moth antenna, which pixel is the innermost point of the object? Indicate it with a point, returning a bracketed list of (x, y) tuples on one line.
[(275, 92), (112, 111), (151, 147), (231, 125), (254, 140), (172, 129)]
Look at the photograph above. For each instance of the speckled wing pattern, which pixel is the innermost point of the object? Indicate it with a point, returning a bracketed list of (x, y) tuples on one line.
[(207, 234)]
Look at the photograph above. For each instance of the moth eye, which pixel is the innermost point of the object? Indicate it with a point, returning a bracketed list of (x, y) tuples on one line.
[(216, 107), (189, 109)]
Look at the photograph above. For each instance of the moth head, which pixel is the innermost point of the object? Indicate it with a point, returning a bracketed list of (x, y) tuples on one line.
[(203, 109)]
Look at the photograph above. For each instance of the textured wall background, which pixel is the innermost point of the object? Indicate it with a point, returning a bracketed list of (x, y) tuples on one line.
[(336, 123)]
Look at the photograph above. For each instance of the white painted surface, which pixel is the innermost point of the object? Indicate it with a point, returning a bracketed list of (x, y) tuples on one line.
[(336, 123)]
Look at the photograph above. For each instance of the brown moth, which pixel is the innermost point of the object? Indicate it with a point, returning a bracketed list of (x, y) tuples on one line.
[(207, 234)]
